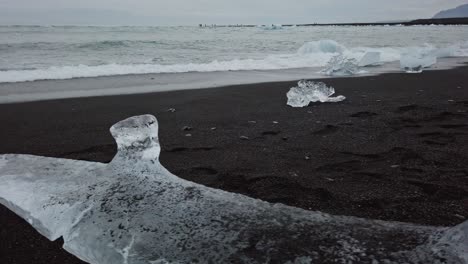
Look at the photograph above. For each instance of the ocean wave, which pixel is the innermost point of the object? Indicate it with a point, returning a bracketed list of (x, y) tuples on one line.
[(69, 72), (95, 45), (98, 45), (13, 47), (311, 54)]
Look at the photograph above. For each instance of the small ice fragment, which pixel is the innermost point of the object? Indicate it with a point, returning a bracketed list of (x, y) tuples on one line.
[(453, 242), (371, 58), (172, 110), (337, 99), (307, 157), (460, 216), (188, 135), (394, 166), (244, 137), (252, 122), (416, 64), (213, 128), (275, 122), (187, 128), (308, 91), (293, 174), (341, 66)]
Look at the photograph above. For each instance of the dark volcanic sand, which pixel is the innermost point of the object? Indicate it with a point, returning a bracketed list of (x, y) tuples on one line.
[(396, 149)]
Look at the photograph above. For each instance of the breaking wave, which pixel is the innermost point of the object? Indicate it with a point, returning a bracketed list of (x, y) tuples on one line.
[(311, 54)]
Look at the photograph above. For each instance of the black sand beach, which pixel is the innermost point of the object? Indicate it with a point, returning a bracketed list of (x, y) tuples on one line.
[(396, 149)]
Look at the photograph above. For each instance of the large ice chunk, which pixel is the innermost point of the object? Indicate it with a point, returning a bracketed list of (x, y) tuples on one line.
[(371, 58), (412, 63), (134, 211), (308, 91), (340, 65)]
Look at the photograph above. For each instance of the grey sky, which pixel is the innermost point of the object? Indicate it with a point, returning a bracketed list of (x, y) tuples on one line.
[(190, 12)]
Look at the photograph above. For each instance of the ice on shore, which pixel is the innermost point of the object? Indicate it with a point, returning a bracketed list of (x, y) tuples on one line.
[(371, 58), (134, 211), (339, 65), (413, 63), (454, 241), (308, 91)]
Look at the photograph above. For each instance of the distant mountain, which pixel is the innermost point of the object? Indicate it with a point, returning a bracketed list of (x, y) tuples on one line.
[(461, 11)]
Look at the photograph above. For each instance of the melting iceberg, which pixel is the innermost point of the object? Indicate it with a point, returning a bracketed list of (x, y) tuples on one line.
[(272, 27), (321, 46), (134, 211), (308, 91), (416, 63), (371, 58), (339, 65)]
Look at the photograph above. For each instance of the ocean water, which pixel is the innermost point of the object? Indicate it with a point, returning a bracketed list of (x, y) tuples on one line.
[(29, 53)]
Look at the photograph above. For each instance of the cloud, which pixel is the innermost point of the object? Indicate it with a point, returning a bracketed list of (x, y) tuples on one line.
[(187, 12)]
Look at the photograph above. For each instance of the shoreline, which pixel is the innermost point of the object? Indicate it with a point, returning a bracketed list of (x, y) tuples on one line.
[(394, 150), (40, 90)]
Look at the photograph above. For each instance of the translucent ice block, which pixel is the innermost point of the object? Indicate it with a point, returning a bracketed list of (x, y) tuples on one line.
[(134, 211), (308, 91)]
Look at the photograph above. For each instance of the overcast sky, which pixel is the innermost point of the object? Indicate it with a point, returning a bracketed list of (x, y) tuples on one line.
[(191, 12)]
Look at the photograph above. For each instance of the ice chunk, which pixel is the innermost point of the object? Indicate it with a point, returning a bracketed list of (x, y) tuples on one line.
[(272, 27), (321, 46), (308, 91), (339, 65), (134, 211), (416, 63), (454, 241), (371, 58)]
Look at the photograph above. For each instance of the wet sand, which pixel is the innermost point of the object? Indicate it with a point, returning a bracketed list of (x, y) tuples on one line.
[(396, 149)]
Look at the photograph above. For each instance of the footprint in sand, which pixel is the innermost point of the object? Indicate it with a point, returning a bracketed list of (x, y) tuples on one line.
[(328, 129), (412, 107), (363, 114), (270, 133), (437, 138), (203, 171), (180, 149), (453, 126)]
